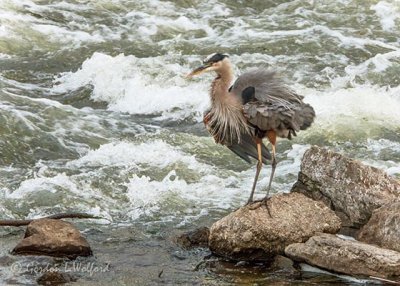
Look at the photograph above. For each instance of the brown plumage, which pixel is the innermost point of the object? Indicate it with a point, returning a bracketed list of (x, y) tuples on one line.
[(258, 105)]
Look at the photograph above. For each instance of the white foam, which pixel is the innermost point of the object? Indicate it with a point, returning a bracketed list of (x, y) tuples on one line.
[(121, 20), (309, 268), (344, 38), (379, 147), (61, 35), (394, 171), (149, 197), (148, 24), (388, 13), (292, 164), (26, 28), (345, 237), (4, 56), (380, 62), (128, 84), (352, 41), (48, 184), (211, 190), (373, 105), (155, 153), (31, 192)]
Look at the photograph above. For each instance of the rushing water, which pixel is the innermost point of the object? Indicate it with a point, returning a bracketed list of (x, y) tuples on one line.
[(96, 116)]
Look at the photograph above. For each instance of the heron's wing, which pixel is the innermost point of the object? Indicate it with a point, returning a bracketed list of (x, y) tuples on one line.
[(247, 148), (269, 104), (268, 88), (286, 122)]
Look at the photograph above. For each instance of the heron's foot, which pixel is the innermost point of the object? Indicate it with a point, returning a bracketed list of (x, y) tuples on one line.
[(263, 200), (259, 203)]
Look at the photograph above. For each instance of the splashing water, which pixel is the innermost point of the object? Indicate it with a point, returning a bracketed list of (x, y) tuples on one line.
[(96, 115)]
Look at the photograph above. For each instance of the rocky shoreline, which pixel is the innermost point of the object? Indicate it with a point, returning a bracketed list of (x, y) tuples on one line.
[(334, 195)]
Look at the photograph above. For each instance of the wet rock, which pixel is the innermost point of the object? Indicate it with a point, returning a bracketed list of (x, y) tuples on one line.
[(282, 263), (195, 238), (251, 234), (55, 278), (6, 261), (383, 228), (53, 238), (352, 189), (346, 256)]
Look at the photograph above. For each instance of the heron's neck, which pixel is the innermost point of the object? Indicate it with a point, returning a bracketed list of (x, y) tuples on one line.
[(221, 84), (225, 75), (225, 118)]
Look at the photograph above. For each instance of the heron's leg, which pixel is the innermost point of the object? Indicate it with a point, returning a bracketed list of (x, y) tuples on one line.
[(272, 139), (259, 165)]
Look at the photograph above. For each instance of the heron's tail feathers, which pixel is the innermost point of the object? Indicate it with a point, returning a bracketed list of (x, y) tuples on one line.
[(247, 148), (308, 115)]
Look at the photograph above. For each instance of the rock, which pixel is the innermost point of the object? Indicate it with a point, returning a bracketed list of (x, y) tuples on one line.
[(53, 238), (383, 228), (195, 238), (283, 264), (352, 189), (55, 278), (250, 234), (346, 256)]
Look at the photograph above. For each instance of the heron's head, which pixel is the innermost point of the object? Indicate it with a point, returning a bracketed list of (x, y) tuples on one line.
[(214, 62)]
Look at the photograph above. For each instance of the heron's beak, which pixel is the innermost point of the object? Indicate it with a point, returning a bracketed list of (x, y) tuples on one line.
[(198, 71)]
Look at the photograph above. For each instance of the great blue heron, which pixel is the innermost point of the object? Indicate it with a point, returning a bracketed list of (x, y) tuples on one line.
[(258, 105)]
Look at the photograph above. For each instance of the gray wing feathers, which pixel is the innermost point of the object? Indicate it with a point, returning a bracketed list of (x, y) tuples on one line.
[(269, 88), (285, 121), (275, 105), (247, 147)]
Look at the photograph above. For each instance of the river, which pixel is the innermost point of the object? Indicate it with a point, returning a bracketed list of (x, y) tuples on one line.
[(96, 116)]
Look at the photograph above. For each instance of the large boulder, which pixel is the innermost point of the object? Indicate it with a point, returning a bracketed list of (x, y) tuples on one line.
[(255, 233), (352, 189), (53, 238), (383, 228), (346, 256)]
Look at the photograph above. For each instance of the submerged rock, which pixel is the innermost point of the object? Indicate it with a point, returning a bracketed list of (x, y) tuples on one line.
[(283, 264), (352, 189), (383, 228), (55, 278), (346, 256), (251, 234), (53, 238), (195, 238)]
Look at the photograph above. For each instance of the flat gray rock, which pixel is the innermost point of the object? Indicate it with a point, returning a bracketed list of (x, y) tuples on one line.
[(383, 228), (349, 187), (53, 238), (251, 234), (346, 256)]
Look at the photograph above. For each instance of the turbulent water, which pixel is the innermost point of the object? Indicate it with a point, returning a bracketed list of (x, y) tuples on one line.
[(96, 116)]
